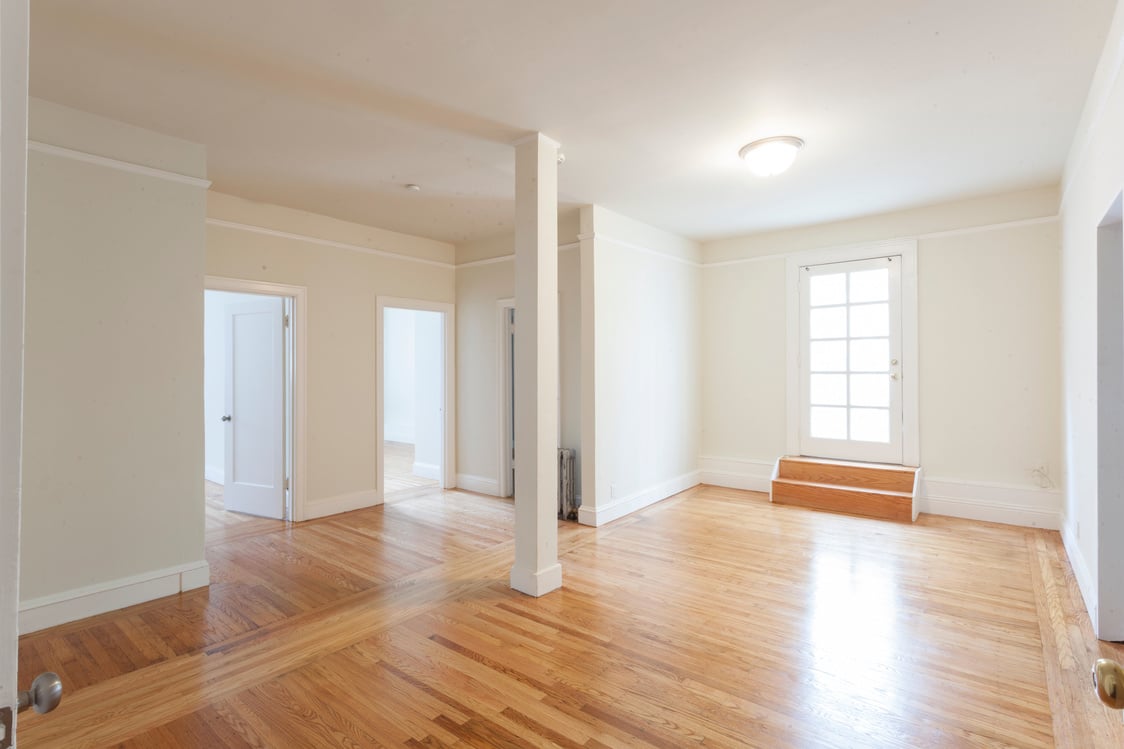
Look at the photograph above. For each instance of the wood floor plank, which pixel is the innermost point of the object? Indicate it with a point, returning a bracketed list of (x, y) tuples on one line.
[(713, 618)]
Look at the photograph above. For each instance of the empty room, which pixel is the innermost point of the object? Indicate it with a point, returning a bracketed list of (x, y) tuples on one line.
[(385, 373)]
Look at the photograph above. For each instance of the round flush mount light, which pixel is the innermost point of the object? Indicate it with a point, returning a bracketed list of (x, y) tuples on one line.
[(770, 156), (412, 187)]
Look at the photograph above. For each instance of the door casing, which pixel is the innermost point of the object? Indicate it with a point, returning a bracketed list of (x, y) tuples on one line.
[(907, 249)]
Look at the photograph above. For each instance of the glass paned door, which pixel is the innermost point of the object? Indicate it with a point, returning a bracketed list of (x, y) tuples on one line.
[(850, 353)]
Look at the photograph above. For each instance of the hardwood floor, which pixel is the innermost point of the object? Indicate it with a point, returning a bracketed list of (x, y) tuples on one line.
[(713, 618)]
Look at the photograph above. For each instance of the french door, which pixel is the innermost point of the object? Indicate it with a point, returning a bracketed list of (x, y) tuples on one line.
[(850, 354)]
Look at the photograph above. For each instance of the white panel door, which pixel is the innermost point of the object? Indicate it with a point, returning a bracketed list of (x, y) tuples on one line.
[(850, 355), (255, 408)]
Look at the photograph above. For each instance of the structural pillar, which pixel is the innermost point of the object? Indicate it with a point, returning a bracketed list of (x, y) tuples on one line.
[(536, 571)]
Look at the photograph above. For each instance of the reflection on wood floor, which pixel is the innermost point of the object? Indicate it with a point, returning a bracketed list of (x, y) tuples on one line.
[(713, 618)]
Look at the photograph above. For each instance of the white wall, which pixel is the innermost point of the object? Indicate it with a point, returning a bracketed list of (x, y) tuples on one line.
[(113, 461), (641, 300), (1094, 177), (485, 275), (429, 414), (398, 375), (214, 379), (988, 306), (345, 267)]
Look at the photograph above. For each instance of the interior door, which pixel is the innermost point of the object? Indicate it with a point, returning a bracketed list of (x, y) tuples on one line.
[(850, 354), (13, 201), (255, 408)]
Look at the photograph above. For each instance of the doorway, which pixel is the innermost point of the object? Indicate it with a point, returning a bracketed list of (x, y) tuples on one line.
[(506, 410), (852, 353), (850, 347), (415, 399), (252, 428), (1108, 614)]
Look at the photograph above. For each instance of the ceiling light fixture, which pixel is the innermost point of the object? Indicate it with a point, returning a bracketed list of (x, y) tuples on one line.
[(770, 156), (412, 187)]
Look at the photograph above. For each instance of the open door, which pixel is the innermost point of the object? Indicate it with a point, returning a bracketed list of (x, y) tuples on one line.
[(255, 408), (13, 201)]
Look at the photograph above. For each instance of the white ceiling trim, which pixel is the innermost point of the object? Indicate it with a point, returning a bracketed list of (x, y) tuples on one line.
[(509, 258), (325, 242), (121, 166), (641, 248), (916, 237)]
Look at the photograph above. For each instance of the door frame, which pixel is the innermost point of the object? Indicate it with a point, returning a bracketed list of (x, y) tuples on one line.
[(907, 249), (504, 385), (297, 457), (13, 209), (449, 428)]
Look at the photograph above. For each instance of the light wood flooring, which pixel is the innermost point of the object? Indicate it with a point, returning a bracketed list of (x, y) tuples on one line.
[(713, 618)]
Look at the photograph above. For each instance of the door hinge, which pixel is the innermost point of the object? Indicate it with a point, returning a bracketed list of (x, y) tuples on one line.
[(286, 321), (286, 484), (5, 727)]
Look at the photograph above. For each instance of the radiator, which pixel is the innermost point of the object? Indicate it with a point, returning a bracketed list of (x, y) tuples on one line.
[(567, 486)]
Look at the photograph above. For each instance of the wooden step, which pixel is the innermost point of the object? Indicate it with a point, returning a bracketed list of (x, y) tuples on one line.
[(851, 500), (845, 473), (869, 489)]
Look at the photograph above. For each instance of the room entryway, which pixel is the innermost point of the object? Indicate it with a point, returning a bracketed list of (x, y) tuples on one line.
[(851, 353), (248, 403), (415, 434)]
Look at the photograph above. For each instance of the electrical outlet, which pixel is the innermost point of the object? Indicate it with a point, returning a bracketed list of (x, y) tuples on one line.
[(612, 491)]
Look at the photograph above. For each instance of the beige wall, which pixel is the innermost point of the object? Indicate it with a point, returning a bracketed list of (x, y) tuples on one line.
[(988, 306), (336, 262), (641, 299), (113, 435), (479, 288)]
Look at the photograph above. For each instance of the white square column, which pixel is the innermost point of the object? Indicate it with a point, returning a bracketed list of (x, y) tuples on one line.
[(536, 571)]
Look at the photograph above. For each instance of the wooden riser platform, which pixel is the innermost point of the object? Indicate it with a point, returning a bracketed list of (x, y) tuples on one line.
[(869, 489)]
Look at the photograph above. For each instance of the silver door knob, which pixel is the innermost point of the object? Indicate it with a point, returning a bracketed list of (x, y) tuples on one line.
[(893, 375), (226, 417), (1108, 678), (44, 695)]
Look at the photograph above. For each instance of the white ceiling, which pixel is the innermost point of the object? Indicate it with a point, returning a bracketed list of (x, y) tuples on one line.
[(332, 106)]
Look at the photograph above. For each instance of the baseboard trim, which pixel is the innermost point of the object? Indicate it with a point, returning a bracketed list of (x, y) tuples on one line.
[(91, 600), (478, 484), (538, 583), (341, 503), (1028, 506), (427, 471), (1081, 572), (215, 474), (736, 473), (597, 516)]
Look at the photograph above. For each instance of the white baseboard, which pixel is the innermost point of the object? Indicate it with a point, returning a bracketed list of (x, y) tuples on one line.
[(1081, 571), (994, 503), (217, 474), (341, 503), (479, 484), (71, 605), (537, 583), (618, 508), (735, 473), (427, 471)]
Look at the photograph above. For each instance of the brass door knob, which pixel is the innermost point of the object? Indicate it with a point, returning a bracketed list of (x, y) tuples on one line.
[(1108, 678)]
